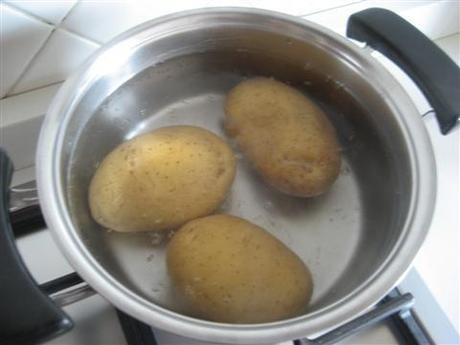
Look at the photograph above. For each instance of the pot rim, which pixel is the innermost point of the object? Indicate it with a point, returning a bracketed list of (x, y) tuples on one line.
[(52, 200)]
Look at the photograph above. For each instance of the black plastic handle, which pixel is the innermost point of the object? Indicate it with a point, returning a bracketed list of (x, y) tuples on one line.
[(27, 315), (437, 76)]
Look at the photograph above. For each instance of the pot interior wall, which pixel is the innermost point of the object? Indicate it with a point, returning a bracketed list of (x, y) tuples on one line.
[(344, 236)]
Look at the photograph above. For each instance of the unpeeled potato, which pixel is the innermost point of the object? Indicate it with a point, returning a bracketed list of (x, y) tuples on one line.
[(230, 270), (161, 179), (288, 138)]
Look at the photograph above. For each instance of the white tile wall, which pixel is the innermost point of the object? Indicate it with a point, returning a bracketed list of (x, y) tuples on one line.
[(438, 19), (79, 26), (117, 17), (52, 11), (21, 38), (19, 133), (451, 45), (302, 8), (101, 21), (61, 55), (336, 19)]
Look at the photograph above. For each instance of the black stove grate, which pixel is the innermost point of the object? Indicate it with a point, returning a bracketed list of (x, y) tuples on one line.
[(395, 307)]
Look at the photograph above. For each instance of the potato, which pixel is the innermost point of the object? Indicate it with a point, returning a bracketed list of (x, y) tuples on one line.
[(161, 180), (227, 269), (289, 139)]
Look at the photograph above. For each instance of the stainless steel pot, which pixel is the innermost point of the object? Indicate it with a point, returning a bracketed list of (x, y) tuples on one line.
[(358, 239)]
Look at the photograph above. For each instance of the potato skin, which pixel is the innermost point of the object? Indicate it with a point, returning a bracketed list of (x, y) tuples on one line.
[(161, 179), (289, 139), (230, 270)]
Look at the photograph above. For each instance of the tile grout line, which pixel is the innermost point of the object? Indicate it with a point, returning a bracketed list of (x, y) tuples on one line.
[(332, 8), (29, 63), (80, 36), (457, 33), (26, 13), (33, 89), (58, 25), (35, 55), (61, 26)]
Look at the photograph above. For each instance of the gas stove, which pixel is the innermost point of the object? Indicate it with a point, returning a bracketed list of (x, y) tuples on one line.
[(392, 320)]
